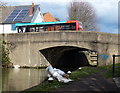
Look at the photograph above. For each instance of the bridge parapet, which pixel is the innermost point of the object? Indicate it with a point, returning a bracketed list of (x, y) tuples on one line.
[(64, 36)]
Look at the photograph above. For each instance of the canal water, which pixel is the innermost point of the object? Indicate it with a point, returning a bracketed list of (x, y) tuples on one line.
[(21, 79)]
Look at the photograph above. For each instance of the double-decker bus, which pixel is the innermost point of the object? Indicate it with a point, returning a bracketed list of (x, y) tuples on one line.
[(49, 26)]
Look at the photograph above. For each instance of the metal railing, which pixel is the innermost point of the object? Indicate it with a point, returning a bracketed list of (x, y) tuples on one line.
[(113, 67)]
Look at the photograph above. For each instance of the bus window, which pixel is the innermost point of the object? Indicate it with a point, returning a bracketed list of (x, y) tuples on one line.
[(51, 28), (67, 27), (19, 29), (37, 29), (27, 29), (41, 29)]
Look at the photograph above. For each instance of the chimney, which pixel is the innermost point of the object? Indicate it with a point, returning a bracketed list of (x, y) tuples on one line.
[(32, 9)]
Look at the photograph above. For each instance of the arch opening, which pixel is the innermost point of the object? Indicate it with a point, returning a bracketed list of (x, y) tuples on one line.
[(67, 57)]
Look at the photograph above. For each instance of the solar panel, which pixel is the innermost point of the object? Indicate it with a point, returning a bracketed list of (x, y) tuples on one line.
[(17, 15), (25, 11), (16, 10), (9, 20), (13, 13), (11, 17), (16, 20), (21, 15)]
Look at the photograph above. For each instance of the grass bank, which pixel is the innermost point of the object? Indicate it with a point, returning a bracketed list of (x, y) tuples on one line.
[(108, 73), (76, 75)]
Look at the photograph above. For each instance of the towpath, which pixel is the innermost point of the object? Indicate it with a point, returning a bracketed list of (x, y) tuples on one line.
[(95, 82)]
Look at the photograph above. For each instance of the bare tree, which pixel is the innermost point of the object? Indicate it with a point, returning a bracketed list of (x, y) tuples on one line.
[(84, 12), (3, 4), (2, 7)]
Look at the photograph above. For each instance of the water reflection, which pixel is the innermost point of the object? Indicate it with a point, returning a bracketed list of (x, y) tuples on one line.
[(21, 79)]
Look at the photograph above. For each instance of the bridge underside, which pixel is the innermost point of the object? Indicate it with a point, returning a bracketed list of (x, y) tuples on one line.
[(66, 57)]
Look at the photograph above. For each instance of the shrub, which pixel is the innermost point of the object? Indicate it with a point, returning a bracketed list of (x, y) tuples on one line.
[(5, 55)]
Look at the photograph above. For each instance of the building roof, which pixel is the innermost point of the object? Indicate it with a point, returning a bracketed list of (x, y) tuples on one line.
[(5, 11), (15, 14), (48, 17)]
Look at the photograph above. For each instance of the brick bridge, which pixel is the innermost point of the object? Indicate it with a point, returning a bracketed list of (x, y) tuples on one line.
[(60, 48)]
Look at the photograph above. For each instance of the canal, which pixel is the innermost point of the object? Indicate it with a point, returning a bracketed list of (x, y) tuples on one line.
[(21, 79)]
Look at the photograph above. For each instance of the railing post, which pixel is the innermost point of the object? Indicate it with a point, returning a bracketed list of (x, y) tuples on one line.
[(113, 68)]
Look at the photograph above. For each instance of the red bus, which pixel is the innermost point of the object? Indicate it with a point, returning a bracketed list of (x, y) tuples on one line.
[(50, 26), (78, 24)]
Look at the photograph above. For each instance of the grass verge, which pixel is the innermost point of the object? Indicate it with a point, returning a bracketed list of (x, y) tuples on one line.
[(108, 73), (75, 75)]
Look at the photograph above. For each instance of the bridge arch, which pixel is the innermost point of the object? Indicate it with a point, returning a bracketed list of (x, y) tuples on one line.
[(66, 57), (66, 44)]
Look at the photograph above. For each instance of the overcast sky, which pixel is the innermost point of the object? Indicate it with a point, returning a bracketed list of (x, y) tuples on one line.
[(106, 10)]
